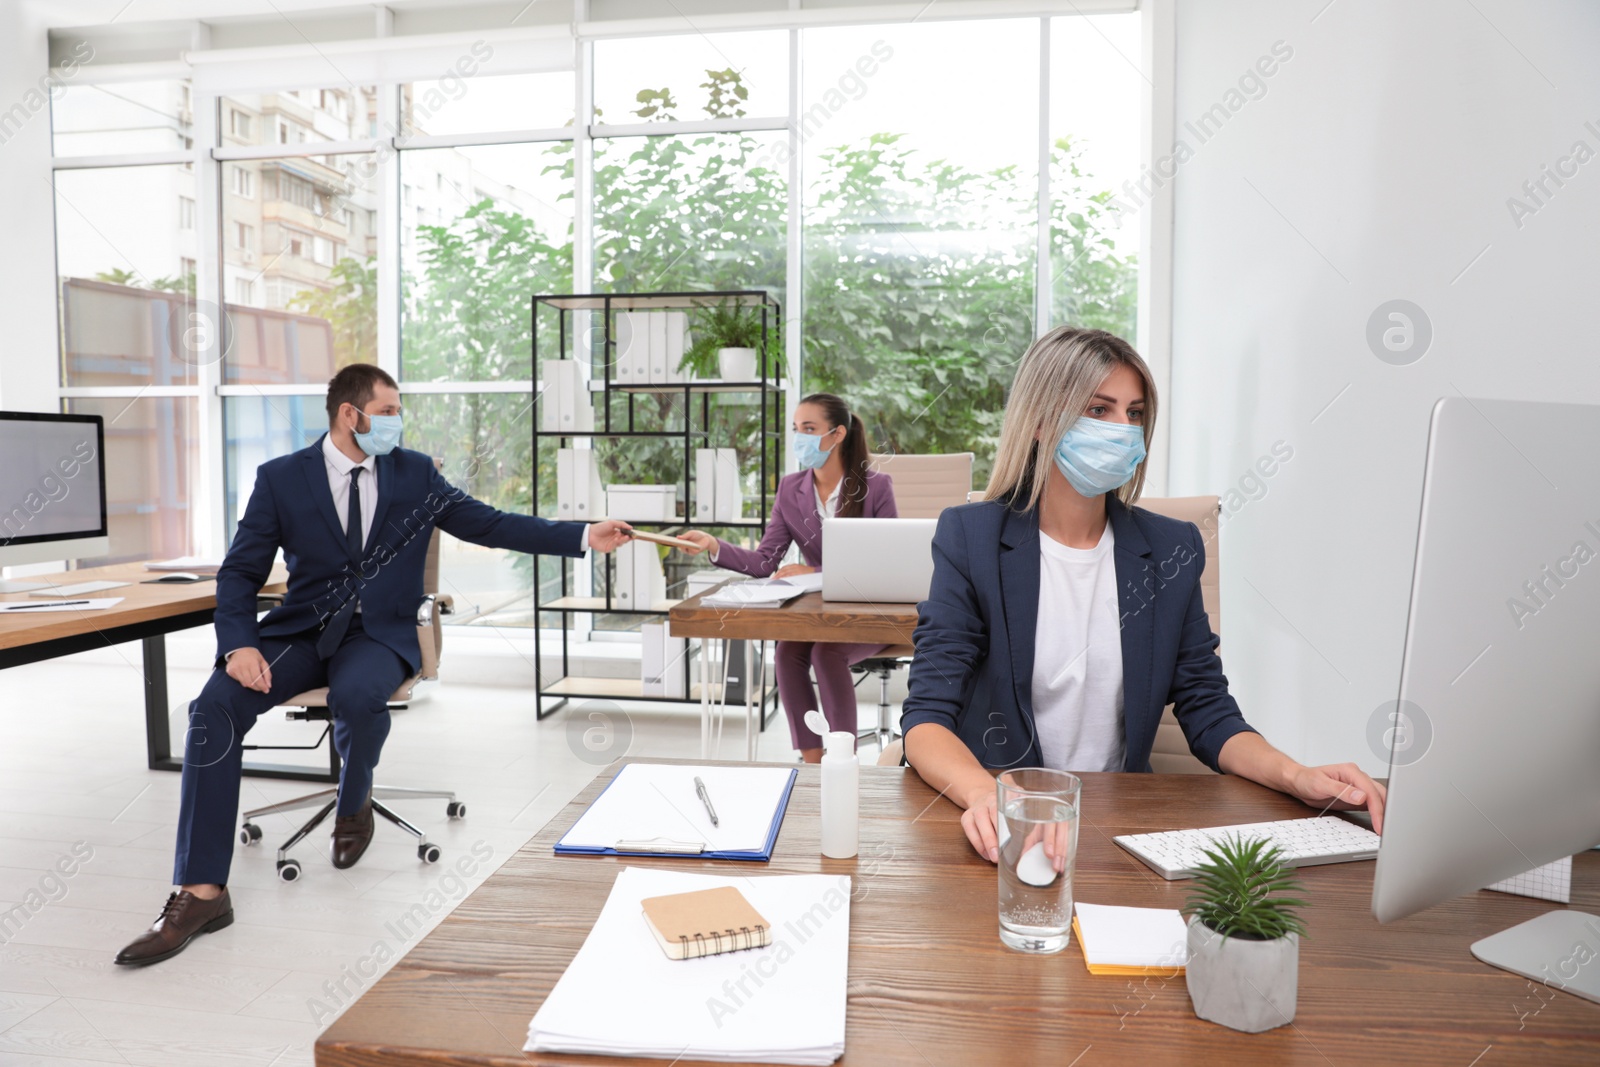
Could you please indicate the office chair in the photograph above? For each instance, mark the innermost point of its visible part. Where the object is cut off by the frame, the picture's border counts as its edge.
(312, 706)
(923, 487)
(1171, 754)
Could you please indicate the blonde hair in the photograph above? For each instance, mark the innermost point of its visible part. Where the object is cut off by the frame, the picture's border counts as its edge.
(1054, 384)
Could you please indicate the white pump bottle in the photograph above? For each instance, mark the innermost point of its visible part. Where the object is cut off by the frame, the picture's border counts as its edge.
(841, 789)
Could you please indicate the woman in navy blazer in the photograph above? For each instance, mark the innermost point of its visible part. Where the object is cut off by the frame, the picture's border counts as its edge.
(1071, 463)
(831, 446)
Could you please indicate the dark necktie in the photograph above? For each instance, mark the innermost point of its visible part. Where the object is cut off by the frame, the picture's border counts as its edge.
(352, 516)
(333, 633)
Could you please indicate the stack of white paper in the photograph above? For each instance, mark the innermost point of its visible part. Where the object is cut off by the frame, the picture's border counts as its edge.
(579, 495)
(622, 996)
(762, 592)
(1117, 938)
(567, 408)
(193, 564)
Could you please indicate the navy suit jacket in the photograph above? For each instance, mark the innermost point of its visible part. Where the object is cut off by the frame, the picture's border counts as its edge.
(973, 670)
(292, 508)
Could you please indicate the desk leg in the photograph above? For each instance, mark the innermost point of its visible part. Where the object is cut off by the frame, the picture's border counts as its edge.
(157, 737)
(750, 681)
(706, 644)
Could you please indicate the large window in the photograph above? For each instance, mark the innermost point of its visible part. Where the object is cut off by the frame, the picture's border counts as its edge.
(410, 224)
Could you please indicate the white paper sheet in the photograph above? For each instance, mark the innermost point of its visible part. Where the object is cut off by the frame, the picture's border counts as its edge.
(785, 1003)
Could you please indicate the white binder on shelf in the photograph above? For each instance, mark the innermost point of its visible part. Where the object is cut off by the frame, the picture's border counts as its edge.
(622, 567)
(728, 493)
(658, 348)
(677, 344)
(579, 495)
(567, 406)
(705, 483)
(629, 335)
(649, 585)
(661, 661)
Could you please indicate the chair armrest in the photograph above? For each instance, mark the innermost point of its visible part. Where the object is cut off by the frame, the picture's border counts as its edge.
(272, 600)
(430, 631)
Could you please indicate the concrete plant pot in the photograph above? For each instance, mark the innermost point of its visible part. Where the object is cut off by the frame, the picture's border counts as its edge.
(1244, 985)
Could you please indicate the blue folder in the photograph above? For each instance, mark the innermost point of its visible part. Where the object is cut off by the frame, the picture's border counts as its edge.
(664, 847)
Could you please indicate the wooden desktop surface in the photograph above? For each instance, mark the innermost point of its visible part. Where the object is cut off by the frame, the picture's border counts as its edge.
(930, 983)
(141, 603)
(806, 618)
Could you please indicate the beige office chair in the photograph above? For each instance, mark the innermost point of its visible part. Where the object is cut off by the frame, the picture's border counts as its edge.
(1171, 754)
(312, 706)
(923, 487)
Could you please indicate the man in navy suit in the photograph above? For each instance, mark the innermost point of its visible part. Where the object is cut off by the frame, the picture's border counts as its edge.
(353, 515)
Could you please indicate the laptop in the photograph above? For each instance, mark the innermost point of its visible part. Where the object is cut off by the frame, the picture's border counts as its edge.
(880, 561)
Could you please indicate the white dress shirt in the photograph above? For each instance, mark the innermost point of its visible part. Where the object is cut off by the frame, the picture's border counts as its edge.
(1077, 657)
(339, 467)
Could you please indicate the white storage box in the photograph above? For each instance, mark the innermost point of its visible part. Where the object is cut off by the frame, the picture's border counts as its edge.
(642, 503)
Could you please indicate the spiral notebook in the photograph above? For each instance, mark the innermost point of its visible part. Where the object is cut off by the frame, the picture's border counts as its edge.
(705, 923)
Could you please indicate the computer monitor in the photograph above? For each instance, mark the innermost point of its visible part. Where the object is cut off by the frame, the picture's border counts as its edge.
(1495, 750)
(52, 490)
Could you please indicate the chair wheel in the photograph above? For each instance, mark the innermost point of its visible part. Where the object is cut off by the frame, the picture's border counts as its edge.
(249, 833)
(428, 853)
(456, 810)
(288, 870)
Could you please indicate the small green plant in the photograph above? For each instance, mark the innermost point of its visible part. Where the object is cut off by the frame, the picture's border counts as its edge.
(1233, 891)
(720, 326)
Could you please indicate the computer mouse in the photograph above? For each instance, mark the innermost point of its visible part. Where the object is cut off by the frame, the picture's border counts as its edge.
(179, 576)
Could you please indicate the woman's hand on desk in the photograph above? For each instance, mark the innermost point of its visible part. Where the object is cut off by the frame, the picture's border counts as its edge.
(705, 541)
(792, 569)
(980, 824)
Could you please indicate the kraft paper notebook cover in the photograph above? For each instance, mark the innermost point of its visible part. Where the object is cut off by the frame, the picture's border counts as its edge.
(705, 923)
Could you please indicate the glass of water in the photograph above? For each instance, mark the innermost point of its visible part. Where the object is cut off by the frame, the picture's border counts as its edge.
(1037, 820)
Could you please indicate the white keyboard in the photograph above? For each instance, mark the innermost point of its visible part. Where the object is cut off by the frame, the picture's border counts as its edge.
(1304, 843)
(81, 588)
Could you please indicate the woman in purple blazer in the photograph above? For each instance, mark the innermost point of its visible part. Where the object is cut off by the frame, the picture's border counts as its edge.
(831, 447)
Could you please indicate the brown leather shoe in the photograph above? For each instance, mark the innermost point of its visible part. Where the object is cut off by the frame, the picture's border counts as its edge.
(351, 836)
(184, 918)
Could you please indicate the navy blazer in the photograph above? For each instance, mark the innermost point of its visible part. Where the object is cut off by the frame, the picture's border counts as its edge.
(973, 670)
(292, 508)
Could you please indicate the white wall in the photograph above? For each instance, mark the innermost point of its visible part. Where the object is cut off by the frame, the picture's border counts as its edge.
(1376, 166)
(28, 359)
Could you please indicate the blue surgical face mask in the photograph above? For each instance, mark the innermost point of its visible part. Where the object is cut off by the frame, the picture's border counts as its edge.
(1096, 456)
(808, 450)
(383, 437)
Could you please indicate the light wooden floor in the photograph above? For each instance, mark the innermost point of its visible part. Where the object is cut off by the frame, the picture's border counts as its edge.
(72, 774)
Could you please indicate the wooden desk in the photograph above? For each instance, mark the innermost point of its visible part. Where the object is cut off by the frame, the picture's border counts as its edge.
(806, 618)
(930, 982)
(147, 614)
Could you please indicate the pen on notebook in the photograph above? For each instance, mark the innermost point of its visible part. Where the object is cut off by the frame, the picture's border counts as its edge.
(705, 798)
(46, 604)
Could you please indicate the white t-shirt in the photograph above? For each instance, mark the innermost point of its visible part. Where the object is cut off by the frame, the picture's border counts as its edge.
(1077, 658)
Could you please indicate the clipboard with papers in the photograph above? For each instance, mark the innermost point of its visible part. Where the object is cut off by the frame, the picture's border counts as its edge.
(653, 809)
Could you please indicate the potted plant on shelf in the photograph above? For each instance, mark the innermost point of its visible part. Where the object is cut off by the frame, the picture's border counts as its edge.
(727, 340)
(1244, 937)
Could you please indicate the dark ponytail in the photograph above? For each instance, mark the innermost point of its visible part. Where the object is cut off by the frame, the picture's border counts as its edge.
(853, 491)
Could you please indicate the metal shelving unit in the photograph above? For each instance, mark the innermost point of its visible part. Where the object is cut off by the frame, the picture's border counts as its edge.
(769, 391)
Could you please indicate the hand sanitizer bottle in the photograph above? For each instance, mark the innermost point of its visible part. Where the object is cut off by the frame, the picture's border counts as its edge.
(841, 790)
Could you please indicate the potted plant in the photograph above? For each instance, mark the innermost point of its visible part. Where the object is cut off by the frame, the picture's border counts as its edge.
(726, 344)
(1244, 937)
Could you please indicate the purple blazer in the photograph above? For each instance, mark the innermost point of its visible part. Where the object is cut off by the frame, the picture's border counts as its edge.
(795, 521)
